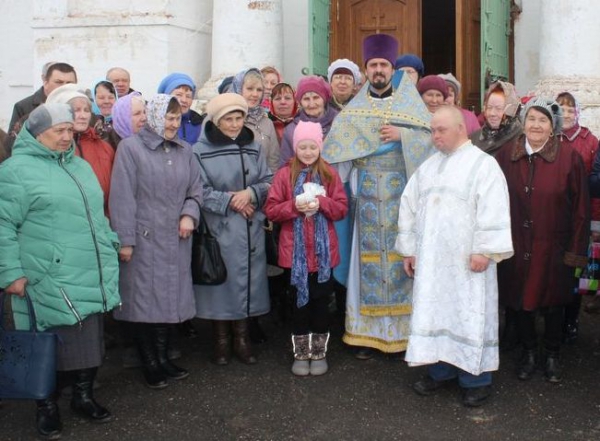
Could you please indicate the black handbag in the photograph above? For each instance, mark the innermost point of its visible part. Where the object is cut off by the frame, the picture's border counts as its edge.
(27, 360)
(208, 266)
(272, 231)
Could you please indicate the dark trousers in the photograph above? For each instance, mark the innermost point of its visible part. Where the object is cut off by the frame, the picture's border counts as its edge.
(553, 321)
(314, 316)
(572, 310)
(443, 372)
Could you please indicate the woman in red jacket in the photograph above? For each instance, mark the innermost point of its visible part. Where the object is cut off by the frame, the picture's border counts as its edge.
(550, 222)
(586, 144)
(88, 144)
(307, 196)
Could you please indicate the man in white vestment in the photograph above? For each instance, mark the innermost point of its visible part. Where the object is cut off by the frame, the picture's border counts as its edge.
(453, 228)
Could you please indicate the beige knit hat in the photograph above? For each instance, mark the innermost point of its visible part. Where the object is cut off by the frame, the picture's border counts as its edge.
(222, 104)
(66, 93)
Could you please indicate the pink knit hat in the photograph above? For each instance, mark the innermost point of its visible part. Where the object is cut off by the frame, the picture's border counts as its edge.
(313, 83)
(306, 130)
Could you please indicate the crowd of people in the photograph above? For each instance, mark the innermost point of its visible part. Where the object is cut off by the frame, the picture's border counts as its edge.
(429, 224)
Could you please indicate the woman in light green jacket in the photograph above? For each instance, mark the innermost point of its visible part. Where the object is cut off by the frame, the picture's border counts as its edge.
(57, 247)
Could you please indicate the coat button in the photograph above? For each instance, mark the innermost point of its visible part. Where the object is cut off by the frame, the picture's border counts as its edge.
(249, 223)
(253, 249)
(527, 223)
(526, 256)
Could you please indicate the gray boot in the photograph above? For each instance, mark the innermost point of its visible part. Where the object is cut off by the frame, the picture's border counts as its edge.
(318, 364)
(301, 364)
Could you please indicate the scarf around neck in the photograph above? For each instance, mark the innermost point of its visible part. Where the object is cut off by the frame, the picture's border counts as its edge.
(299, 277)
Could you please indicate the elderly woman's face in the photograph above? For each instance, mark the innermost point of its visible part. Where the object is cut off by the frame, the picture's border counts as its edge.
(538, 127)
(82, 113)
(172, 124)
(138, 115)
(185, 96)
(342, 86)
(283, 103)
(494, 110)
(412, 74)
(252, 91)
(105, 100)
(451, 100)
(271, 81)
(313, 104)
(433, 99)
(231, 124)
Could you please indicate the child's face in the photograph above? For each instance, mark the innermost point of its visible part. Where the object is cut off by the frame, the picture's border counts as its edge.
(307, 152)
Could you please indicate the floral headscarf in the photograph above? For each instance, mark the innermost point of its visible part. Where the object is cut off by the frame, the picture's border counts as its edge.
(156, 110)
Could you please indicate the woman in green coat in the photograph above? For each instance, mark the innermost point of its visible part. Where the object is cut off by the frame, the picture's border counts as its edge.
(57, 247)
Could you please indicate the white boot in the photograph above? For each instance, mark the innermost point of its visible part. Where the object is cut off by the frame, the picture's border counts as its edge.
(318, 363)
(301, 366)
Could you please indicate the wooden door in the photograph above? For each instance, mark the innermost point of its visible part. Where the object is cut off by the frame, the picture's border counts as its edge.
(353, 20)
(468, 54)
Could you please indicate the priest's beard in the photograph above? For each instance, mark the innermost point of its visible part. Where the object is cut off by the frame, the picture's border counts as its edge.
(380, 83)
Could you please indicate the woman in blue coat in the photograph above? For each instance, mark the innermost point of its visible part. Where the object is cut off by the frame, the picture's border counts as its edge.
(235, 179)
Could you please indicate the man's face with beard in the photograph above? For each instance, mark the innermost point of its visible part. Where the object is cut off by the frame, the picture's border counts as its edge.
(379, 73)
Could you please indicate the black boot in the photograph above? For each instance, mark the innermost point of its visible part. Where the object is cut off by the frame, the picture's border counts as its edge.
(187, 329)
(257, 335)
(570, 331)
(161, 340)
(510, 335)
(340, 298)
(47, 419)
(222, 343)
(552, 370)
(527, 365)
(155, 377)
(241, 342)
(82, 400)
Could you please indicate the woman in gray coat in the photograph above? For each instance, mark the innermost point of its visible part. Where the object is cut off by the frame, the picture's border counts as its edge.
(154, 210)
(235, 179)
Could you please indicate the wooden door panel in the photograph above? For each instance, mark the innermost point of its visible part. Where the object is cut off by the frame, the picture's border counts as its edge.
(468, 54)
(352, 21)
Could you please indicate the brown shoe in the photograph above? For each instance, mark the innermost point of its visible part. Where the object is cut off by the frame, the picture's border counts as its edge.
(241, 342)
(222, 337)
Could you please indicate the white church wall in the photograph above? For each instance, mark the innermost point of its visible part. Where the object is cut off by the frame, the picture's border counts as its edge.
(295, 37)
(527, 46)
(150, 38)
(18, 75)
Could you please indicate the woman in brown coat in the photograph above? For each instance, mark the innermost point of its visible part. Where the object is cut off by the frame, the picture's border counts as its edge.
(550, 217)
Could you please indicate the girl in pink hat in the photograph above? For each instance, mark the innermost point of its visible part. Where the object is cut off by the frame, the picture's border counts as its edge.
(306, 197)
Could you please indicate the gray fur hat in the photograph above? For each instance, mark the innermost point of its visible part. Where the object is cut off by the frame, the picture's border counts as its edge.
(549, 107)
(48, 115)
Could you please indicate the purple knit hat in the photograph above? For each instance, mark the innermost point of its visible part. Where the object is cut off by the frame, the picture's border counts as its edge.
(432, 82)
(316, 84)
(380, 46)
